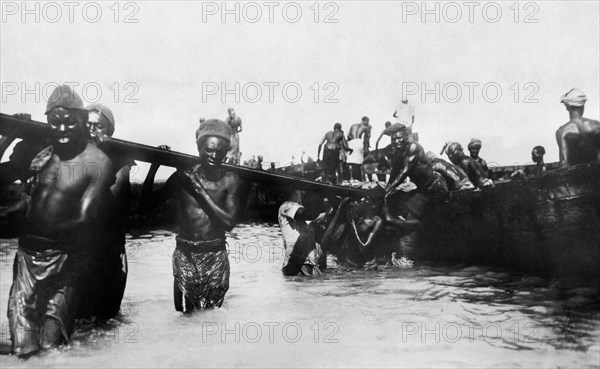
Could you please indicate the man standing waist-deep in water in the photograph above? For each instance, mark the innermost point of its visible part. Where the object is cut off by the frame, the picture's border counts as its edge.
(207, 201)
(71, 199)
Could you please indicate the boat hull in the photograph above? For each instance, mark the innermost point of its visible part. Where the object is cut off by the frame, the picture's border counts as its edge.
(549, 223)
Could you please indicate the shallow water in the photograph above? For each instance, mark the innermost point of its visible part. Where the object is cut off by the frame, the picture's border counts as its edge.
(429, 316)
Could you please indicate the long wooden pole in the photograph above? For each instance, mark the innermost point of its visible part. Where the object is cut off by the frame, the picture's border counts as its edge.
(11, 126)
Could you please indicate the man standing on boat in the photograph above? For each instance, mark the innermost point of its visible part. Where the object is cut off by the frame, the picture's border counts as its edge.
(405, 114)
(71, 199)
(358, 140)
(334, 142)
(207, 199)
(474, 147)
(235, 123)
(579, 139)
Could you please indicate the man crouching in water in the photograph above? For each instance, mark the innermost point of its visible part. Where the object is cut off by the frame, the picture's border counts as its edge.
(72, 198)
(207, 201)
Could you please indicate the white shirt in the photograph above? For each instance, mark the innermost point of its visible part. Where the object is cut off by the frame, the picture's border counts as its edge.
(289, 227)
(405, 113)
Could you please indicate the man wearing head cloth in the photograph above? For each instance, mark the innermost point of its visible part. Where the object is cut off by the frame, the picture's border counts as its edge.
(207, 198)
(474, 147)
(107, 276)
(579, 139)
(473, 170)
(455, 177)
(409, 161)
(70, 199)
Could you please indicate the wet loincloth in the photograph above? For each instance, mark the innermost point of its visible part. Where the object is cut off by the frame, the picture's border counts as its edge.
(357, 154)
(201, 271)
(105, 278)
(45, 285)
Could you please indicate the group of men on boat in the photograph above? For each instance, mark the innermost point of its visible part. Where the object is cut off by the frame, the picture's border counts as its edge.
(71, 263)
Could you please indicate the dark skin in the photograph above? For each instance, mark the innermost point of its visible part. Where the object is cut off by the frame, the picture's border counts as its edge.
(207, 202)
(98, 125)
(579, 139)
(385, 132)
(74, 185)
(409, 161)
(359, 130)
(234, 122)
(474, 151)
(334, 140)
(455, 177)
(471, 168)
(538, 158)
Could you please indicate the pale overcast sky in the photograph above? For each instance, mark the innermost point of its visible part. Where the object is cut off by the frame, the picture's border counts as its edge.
(357, 55)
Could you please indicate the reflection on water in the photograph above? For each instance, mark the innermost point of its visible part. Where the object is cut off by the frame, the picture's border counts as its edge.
(429, 316)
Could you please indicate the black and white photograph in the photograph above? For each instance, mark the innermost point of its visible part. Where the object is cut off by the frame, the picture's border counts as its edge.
(300, 184)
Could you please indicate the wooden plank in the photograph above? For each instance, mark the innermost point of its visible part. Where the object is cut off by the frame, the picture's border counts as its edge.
(12, 126)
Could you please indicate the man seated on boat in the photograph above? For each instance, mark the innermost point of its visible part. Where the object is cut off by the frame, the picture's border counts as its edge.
(108, 263)
(475, 173)
(537, 156)
(474, 147)
(334, 142)
(579, 139)
(301, 241)
(207, 199)
(455, 177)
(70, 200)
(409, 161)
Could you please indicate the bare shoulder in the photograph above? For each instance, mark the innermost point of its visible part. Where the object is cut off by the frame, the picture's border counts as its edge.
(231, 179)
(93, 154)
(567, 127)
(590, 122)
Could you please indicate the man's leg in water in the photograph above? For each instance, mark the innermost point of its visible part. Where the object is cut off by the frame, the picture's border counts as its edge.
(405, 225)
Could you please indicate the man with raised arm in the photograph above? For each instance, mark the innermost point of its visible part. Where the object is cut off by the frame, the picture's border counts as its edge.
(207, 200)
(334, 141)
(70, 200)
(386, 132)
(578, 139)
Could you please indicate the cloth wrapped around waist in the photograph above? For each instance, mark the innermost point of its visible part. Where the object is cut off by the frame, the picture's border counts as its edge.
(201, 271)
(357, 154)
(201, 246)
(38, 243)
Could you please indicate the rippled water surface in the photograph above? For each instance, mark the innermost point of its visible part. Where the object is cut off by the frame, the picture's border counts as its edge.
(429, 316)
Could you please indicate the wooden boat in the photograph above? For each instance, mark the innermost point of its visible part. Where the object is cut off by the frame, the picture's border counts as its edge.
(549, 223)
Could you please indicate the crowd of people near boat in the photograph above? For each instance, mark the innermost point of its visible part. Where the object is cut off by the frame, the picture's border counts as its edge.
(71, 262)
